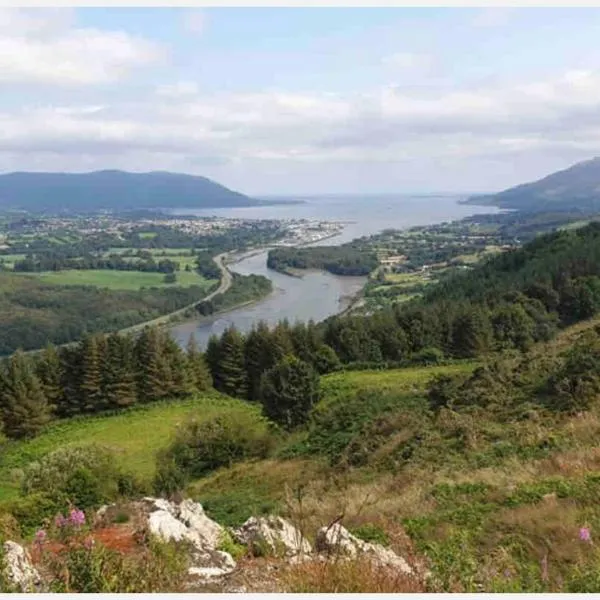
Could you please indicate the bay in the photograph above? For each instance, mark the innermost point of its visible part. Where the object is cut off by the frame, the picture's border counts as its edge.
(318, 295)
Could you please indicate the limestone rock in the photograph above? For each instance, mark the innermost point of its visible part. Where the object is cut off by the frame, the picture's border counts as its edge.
(337, 540)
(273, 534)
(19, 568)
(187, 521)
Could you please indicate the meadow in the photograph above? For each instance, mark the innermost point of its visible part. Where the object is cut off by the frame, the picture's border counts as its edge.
(121, 280)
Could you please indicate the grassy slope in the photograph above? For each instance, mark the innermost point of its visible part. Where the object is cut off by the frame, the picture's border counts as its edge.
(135, 434)
(139, 432)
(120, 280)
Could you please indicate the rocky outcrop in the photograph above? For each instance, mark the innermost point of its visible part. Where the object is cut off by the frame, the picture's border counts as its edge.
(273, 536)
(19, 569)
(338, 541)
(188, 522)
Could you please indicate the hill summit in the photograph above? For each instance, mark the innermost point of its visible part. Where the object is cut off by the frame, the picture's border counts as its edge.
(574, 189)
(113, 189)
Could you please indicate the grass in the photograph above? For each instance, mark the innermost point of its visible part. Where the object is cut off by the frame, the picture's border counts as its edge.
(120, 280)
(153, 426)
(402, 381)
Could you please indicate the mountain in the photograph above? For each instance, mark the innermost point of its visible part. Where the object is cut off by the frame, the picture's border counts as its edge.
(574, 189)
(109, 190)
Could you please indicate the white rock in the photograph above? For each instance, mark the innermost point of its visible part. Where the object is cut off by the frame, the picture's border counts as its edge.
(338, 540)
(277, 534)
(193, 515)
(19, 568)
(187, 521)
(164, 525)
(208, 572)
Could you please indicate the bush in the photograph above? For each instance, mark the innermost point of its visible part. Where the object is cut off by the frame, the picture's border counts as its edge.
(33, 510)
(371, 533)
(85, 475)
(203, 446)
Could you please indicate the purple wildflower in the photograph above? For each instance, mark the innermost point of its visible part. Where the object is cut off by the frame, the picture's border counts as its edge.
(77, 517)
(585, 534)
(60, 521)
(40, 537)
(507, 573)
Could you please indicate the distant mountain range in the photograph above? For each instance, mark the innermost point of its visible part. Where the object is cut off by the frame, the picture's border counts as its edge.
(574, 189)
(114, 190)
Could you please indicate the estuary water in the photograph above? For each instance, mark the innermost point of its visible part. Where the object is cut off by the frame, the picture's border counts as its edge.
(318, 295)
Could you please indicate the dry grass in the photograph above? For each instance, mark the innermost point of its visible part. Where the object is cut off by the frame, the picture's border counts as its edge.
(359, 576)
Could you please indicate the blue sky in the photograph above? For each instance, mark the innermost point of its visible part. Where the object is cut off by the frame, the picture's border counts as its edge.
(303, 101)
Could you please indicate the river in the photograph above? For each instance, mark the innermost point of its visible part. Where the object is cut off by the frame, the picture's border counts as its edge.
(318, 295)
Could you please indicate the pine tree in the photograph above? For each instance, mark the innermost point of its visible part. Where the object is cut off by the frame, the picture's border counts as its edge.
(90, 384)
(71, 376)
(25, 410)
(199, 371)
(212, 357)
(181, 382)
(231, 368)
(50, 372)
(154, 377)
(119, 381)
(259, 356)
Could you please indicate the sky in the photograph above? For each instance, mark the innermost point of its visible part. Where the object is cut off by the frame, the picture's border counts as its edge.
(301, 101)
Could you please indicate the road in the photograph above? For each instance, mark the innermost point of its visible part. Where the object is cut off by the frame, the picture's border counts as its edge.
(225, 284)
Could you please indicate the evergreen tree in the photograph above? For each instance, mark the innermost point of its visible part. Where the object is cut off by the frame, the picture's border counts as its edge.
(181, 382)
(258, 356)
(119, 376)
(288, 392)
(212, 357)
(200, 374)
(90, 384)
(154, 377)
(50, 372)
(25, 409)
(231, 368)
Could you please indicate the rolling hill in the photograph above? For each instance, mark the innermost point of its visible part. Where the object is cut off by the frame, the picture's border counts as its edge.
(111, 189)
(574, 189)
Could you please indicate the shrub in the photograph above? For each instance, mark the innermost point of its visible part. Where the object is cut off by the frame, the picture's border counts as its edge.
(33, 510)
(203, 446)
(288, 392)
(227, 544)
(86, 475)
(370, 532)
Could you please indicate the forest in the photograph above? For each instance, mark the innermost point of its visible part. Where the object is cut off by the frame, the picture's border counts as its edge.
(339, 260)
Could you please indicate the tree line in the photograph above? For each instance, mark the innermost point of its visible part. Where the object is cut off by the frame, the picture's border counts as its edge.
(54, 262)
(100, 373)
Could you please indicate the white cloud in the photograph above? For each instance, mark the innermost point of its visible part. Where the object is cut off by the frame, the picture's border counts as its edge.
(180, 128)
(409, 61)
(178, 90)
(34, 49)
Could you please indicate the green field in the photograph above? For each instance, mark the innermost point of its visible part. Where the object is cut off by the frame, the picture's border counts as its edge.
(135, 435)
(120, 280)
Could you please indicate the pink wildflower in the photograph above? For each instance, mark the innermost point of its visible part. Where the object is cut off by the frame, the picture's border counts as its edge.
(77, 517)
(585, 534)
(40, 537)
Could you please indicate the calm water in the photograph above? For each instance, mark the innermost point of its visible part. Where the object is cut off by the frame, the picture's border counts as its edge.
(319, 295)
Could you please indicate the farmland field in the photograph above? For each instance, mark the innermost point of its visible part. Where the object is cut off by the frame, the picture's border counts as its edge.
(121, 280)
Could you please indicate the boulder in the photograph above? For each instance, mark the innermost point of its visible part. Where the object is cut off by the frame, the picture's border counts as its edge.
(187, 521)
(272, 535)
(19, 569)
(337, 540)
